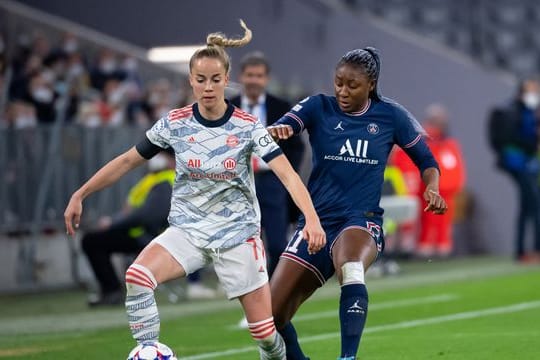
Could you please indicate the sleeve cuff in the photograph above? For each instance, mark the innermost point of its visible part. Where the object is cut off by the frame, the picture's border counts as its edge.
(269, 157)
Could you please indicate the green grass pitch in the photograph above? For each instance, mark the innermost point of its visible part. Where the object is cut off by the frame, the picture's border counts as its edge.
(482, 308)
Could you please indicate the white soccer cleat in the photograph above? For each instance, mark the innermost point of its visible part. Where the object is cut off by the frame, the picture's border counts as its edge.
(243, 323)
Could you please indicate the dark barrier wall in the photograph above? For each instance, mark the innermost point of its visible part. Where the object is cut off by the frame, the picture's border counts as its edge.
(303, 40)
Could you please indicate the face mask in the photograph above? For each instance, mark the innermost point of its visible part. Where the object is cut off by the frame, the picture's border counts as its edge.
(23, 121)
(116, 97)
(154, 99)
(76, 70)
(130, 65)
(92, 121)
(49, 76)
(108, 66)
(42, 94)
(71, 46)
(531, 100)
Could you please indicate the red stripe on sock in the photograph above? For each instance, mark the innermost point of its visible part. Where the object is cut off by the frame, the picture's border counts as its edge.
(261, 323)
(260, 329)
(141, 273)
(136, 282)
(140, 276)
(135, 278)
(264, 335)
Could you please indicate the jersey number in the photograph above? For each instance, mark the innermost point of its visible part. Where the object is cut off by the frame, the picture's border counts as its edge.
(295, 241)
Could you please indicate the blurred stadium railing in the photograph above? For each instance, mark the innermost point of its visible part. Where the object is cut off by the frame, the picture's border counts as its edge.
(81, 151)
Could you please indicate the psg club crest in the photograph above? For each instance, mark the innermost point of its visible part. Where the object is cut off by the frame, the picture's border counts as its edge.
(373, 129)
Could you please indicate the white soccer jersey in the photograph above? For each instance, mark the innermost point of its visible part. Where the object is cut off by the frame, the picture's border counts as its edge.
(213, 198)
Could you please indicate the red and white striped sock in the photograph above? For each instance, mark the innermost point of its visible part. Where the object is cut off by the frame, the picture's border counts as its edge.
(271, 345)
(141, 305)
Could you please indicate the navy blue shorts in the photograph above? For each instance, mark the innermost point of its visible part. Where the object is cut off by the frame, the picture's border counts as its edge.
(321, 263)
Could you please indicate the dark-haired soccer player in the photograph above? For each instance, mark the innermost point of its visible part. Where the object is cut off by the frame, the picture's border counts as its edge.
(351, 136)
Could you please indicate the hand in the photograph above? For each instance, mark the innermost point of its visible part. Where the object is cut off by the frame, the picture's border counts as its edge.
(435, 202)
(72, 215)
(280, 132)
(315, 236)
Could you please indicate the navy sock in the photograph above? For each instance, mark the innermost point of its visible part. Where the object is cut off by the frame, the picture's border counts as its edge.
(294, 352)
(353, 306)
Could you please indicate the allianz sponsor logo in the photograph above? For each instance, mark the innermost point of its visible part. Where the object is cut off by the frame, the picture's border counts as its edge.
(353, 152)
(223, 176)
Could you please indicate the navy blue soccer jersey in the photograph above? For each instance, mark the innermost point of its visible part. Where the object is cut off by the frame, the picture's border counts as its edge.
(350, 151)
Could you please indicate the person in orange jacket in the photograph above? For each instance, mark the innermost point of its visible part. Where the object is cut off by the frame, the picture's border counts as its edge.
(436, 231)
(408, 230)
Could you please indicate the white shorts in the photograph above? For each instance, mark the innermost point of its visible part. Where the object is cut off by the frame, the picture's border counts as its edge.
(240, 269)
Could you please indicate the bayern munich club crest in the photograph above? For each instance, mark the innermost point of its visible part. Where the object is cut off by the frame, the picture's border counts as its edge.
(229, 164)
(232, 141)
(373, 129)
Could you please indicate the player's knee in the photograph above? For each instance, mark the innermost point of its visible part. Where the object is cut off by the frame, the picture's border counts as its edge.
(280, 319)
(139, 279)
(352, 272)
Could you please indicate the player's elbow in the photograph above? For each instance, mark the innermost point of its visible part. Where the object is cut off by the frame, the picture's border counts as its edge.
(130, 159)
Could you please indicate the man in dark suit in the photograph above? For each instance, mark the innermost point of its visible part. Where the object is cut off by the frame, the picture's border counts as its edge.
(273, 198)
(513, 135)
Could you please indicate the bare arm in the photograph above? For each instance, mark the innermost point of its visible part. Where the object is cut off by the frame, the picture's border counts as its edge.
(313, 231)
(436, 203)
(107, 175)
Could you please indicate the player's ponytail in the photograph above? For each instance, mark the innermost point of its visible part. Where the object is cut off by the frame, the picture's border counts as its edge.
(368, 61)
(219, 39)
(215, 44)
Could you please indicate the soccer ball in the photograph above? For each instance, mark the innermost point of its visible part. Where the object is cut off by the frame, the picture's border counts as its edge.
(151, 351)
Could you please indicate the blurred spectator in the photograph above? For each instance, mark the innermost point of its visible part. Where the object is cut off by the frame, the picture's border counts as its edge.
(513, 134)
(41, 94)
(69, 43)
(436, 235)
(89, 113)
(106, 68)
(143, 218)
(21, 115)
(393, 187)
(272, 196)
(407, 231)
(3, 59)
(109, 92)
(21, 77)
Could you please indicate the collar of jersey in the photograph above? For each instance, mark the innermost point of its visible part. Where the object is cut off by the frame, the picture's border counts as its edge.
(361, 111)
(213, 123)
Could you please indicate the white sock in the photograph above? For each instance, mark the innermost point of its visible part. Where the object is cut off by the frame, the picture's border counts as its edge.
(271, 345)
(141, 305)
